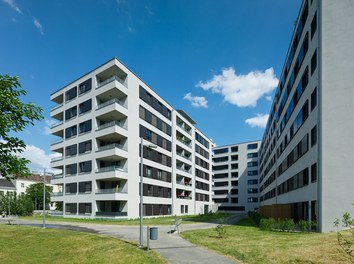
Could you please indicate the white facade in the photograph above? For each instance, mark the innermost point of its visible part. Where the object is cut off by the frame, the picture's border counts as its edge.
(305, 158)
(101, 117)
(235, 169)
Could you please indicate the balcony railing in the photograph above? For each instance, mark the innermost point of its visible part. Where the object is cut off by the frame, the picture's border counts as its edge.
(183, 142)
(56, 159)
(183, 156)
(184, 183)
(109, 80)
(60, 140)
(112, 168)
(111, 146)
(183, 169)
(113, 123)
(56, 124)
(111, 214)
(57, 194)
(185, 129)
(110, 190)
(56, 212)
(112, 101)
(57, 176)
(182, 196)
(56, 107)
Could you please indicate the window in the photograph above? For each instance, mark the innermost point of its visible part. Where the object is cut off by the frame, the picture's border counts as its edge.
(314, 62)
(71, 188)
(70, 132)
(252, 190)
(85, 146)
(252, 164)
(85, 208)
(85, 106)
(313, 136)
(85, 187)
(186, 209)
(182, 209)
(314, 99)
(252, 146)
(71, 94)
(252, 155)
(220, 151)
(148, 171)
(85, 166)
(85, 126)
(252, 173)
(252, 200)
(221, 167)
(70, 113)
(220, 159)
(234, 149)
(314, 172)
(252, 182)
(23, 185)
(71, 150)
(85, 86)
(234, 157)
(71, 169)
(234, 174)
(234, 191)
(314, 25)
(234, 166)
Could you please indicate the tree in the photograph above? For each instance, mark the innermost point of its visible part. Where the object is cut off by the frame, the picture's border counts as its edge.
(35, 193)
(15, 116)
(346, 238)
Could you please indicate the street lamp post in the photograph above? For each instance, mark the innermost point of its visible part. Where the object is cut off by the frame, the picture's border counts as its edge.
(141, 189)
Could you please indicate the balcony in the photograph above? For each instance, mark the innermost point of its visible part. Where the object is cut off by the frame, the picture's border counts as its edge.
(184, 156)
(111, 168)
(56, 107)
(111, 146)
(109, 80)
(113, 101)
(57, 194)
(111, 124)
(57, 176)
(110, 191)
(183, 196)
(57, 141)
(56, 159)
(185, 128)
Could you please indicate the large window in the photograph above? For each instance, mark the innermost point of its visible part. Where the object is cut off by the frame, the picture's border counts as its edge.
(71, 94)
(85, 86)
(71, 150)
(252, 146)
(70, 113)
(85, 166)
(71, 169)
(70, 132)
(220, 151)
(313, 136)
(85, 146)
(85, 127)
(314, 99)
(85, 106)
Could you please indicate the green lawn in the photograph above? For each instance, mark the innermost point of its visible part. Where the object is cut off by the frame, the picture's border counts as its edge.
(22, 244)
(247, 244)
(187, 219)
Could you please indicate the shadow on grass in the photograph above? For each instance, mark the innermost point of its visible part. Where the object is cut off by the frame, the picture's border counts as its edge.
(246, 221)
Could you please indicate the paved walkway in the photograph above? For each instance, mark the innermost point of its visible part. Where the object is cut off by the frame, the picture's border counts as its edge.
(170, 246)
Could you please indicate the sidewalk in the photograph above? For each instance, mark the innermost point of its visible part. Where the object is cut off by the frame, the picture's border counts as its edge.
(170, 246)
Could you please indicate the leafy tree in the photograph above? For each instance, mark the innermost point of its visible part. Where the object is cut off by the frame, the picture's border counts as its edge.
(35, 193)
(15, 116)
(19, 205)
(346, 238)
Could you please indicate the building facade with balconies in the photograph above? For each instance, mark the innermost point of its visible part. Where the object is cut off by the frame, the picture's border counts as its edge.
(306, 168)
(235, 176)
(101, 118)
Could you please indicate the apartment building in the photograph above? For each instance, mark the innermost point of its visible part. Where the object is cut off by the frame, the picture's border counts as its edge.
(102, 117)
(306, 167)
(236, 180)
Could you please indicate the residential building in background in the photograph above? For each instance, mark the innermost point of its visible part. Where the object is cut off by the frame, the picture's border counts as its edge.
(101, 118)
(306, 167)
(235, 169)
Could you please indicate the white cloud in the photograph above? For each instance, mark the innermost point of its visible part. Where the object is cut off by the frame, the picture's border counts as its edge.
(241, 90)
(13, 5)
(268, 98)
(48, 123)
(38, 25)
(260, 120)
(197, 101)
(39, 159)
(148, 9)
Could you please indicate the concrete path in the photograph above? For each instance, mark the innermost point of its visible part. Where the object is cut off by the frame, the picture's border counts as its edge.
(170, 246)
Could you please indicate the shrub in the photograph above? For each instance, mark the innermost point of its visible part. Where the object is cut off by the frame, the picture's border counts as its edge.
(256, 217)
(304, 225)
(346, 239)
(267, 224)
(289, 225)
(220, 228)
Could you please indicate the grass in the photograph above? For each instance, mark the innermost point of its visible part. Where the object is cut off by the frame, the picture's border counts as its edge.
(23, 244)
(245, 243)
(168, 220)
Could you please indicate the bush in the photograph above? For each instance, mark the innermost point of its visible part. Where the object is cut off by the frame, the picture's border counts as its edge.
(256, 217)
(220, 228)
(267, 224)
(346, 239)
(304, 225)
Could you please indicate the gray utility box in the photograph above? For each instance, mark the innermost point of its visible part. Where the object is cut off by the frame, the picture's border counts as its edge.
(153, 233)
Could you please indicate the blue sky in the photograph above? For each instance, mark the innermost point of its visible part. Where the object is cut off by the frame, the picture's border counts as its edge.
(217, 60)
